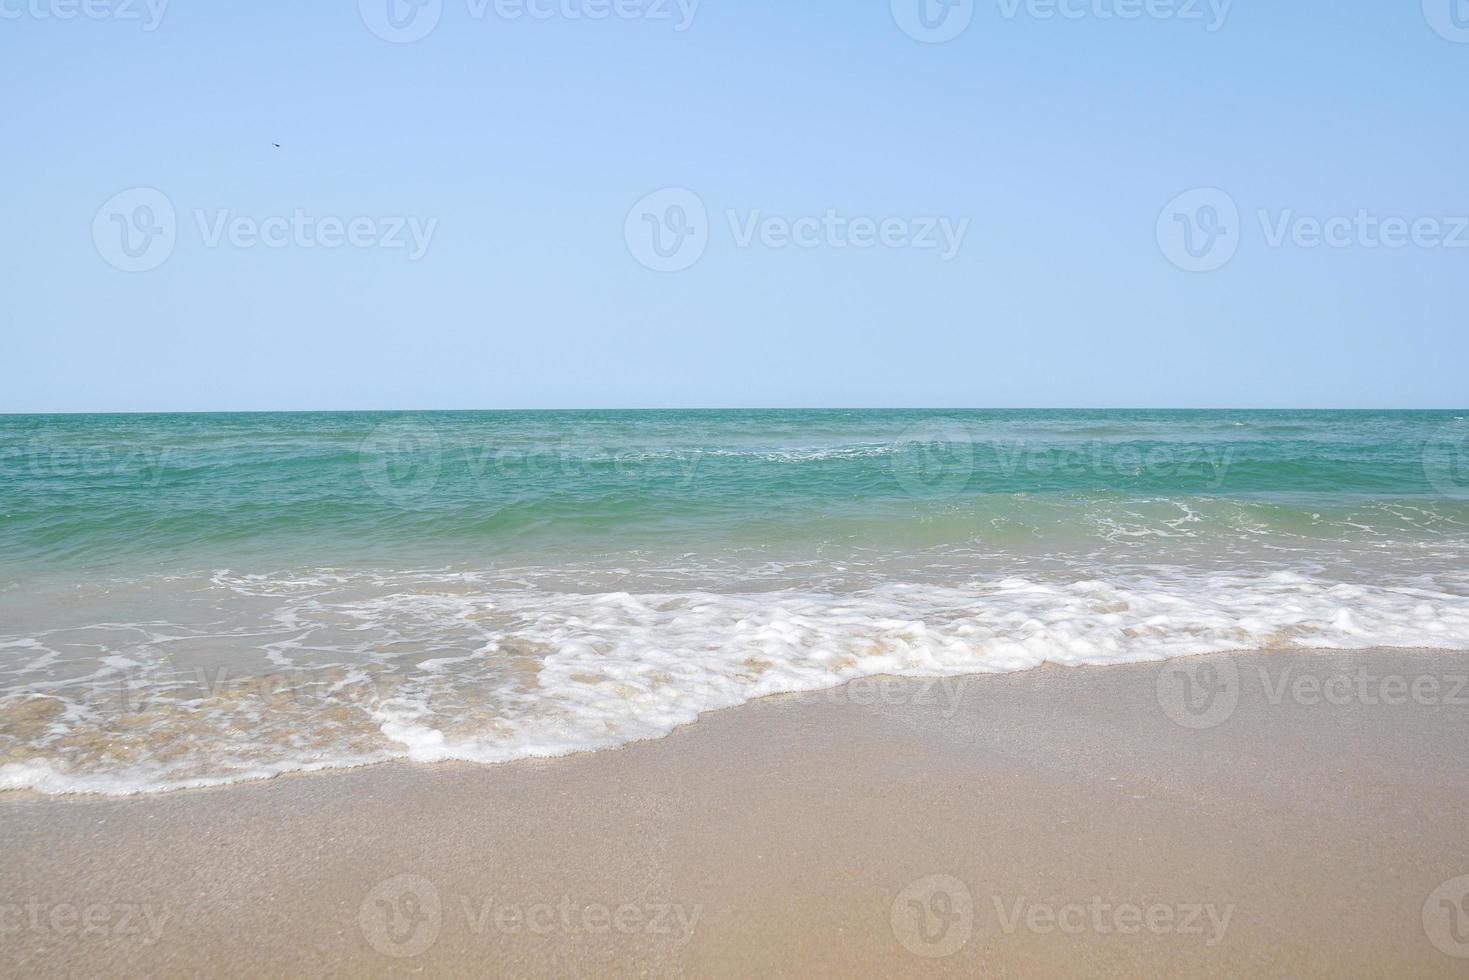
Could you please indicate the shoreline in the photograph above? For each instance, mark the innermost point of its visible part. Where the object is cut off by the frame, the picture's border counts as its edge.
(926, 682)
(1296, 815)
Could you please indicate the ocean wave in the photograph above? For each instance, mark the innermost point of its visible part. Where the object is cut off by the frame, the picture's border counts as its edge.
(79, 491)
(313, 670)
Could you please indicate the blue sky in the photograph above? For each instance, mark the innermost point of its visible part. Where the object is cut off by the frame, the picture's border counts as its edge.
(519, 148)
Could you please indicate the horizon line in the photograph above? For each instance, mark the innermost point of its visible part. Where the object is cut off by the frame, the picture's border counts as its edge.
(756, 408)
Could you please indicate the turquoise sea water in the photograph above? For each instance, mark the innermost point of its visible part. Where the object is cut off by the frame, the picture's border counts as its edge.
(188, 599)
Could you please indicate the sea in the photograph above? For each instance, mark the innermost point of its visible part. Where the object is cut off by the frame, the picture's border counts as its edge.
(198, 599)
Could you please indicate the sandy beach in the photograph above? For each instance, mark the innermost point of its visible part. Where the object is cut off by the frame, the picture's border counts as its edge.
(1299, 814)
(652, 488)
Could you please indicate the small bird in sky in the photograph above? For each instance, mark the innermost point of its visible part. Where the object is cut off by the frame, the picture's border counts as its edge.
(276, 145)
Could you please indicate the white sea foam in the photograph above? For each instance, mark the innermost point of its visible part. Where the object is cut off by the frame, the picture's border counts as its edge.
(336, 669)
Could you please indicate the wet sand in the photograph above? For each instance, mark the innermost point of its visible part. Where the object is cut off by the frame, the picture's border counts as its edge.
(1281, 813)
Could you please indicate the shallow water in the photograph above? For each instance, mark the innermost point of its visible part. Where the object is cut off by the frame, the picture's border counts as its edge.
(195, 599)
